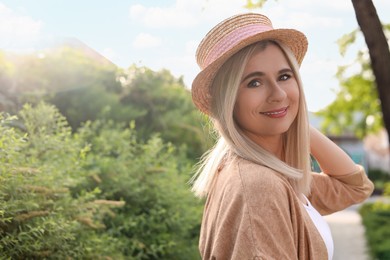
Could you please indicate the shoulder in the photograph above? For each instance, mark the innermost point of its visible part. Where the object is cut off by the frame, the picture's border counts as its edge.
(259, 183)
(259, 175)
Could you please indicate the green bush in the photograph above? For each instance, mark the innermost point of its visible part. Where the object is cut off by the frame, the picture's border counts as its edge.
(98, 193)
(39, 216)
(161, 217)
(376, 219)
(379, 178)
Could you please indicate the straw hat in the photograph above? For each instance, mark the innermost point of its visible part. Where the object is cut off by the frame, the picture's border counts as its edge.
(230, 36)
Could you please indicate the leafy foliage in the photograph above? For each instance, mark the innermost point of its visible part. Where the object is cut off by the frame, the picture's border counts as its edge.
(164, 106)
(7, 98)
(346, 40)
(98, 193)
(376, 219)
(357, 108)
(85, 87)
(380, 178)
(96, 187)
(73, 79)
(161, 218)
(39, 216)
(255, 4)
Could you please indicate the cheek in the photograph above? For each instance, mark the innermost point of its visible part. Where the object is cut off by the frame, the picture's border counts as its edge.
(249, 100)
(246, 107)
(238, 112)
(294, 97)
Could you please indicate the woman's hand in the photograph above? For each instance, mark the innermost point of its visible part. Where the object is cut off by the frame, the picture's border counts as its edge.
(330, 157)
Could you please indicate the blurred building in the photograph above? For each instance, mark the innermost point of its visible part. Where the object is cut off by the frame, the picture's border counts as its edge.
(377, 151)
(352, 145)
(372, 152)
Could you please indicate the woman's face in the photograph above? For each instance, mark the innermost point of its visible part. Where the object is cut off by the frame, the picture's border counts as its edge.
(268, 95)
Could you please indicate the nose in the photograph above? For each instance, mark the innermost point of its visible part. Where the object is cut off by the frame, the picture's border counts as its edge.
(276, 93)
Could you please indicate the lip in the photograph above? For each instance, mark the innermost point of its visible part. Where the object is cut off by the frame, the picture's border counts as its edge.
(277, 113)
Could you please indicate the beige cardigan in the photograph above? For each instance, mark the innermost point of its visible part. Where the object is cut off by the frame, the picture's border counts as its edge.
(253, 213)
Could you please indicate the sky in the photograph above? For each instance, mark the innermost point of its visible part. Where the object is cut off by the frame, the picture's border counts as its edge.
(165, 33)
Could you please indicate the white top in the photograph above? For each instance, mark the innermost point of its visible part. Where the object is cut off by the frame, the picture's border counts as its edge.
(322, 227)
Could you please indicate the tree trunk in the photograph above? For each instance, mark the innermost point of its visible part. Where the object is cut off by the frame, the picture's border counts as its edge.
(378, 48)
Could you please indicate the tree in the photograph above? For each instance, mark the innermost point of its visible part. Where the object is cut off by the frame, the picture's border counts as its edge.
(83, 86)
(378, 48)
(164, 106)
(7, 97)
(362, 103)
(356, 108)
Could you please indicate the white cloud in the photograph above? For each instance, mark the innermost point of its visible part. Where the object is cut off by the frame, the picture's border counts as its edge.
(136, 11)
(283, 16)
(313, 5)
(306, 20)
(17, 30)
(159, 17)
(180, 15)
(145, 40)
(185, 13)
(222, 8)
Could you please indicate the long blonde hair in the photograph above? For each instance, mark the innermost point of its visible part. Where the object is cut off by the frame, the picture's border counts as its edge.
(232, 142)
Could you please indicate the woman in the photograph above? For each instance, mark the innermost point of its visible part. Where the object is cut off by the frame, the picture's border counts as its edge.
(263, 201)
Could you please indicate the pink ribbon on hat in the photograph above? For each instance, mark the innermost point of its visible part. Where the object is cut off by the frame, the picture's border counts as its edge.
(232, 39)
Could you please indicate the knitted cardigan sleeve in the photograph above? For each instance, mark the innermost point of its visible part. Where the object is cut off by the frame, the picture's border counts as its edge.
(334, 193)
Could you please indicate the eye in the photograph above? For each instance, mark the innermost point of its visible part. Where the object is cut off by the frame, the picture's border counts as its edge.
(285, 77)
(254, 83)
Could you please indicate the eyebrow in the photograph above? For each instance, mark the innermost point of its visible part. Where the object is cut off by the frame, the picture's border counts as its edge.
(260, 73)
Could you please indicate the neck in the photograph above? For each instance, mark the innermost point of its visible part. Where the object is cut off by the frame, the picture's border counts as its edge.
(273, 144)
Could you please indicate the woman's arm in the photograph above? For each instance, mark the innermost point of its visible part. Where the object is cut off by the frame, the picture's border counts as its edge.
(344, 182)
(331, 158)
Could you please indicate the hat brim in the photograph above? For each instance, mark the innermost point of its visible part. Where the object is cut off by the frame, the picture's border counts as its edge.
(293, 39)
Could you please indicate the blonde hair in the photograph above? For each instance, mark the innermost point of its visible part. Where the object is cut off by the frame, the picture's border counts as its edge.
(232, 142)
